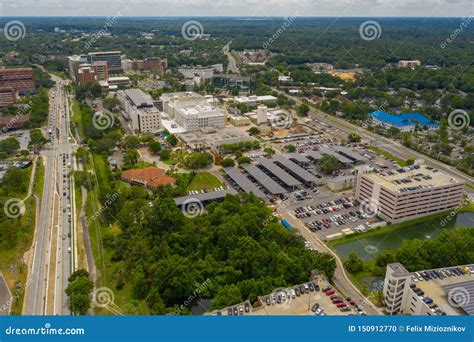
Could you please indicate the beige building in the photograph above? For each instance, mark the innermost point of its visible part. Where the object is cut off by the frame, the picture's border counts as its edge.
(409, 64)
(444, 291)
(139, 106)
(409, 193)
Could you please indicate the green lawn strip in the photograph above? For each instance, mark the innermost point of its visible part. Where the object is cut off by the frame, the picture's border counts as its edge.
(14, 256)
(107, 270)
(77, 117)
(204, 181)
(388, 156)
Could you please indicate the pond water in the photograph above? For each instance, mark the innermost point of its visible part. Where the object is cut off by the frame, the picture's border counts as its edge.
(369, 248)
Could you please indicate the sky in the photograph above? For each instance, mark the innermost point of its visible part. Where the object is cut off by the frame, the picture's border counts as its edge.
(247, 8)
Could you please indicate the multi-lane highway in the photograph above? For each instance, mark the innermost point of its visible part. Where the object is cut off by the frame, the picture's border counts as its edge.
(53, 244)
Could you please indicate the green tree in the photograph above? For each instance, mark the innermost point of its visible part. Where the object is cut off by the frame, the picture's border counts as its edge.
(243, 160)
(9, 146)
(165, 154)
(37, 138)
(303, 109)
(79, 291)
(254, 131)
(290, 148)
(154, 147)
(172, 140)
(131, 142)
(354, 137)
(354, 264)
(227, 162)
(329, 164)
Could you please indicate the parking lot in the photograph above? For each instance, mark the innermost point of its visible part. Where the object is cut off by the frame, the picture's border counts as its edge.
(327, 213)
(306, 299)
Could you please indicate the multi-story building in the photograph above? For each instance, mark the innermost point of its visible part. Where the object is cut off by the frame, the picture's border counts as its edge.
(113, 59)
(103, 62)
(155, 65)
(7, 96)
(409, 64)
(85, 74)
(101, 70)
(409, 193)
(231, 82)
(139, 106)
(73, 64)
(193, 111)
(21, 80)
(445, 291)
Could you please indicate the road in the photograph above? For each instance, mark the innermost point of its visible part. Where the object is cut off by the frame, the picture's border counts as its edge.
(391, 146)
(53, 243)
(340, 278)
(232, 66)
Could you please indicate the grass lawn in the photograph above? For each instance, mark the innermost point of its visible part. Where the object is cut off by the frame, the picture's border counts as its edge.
(204, 181)
(108, 272)
(388, 156)
(77, 117)
(12, 258)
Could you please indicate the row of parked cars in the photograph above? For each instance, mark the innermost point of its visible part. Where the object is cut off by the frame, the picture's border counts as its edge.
(344, 304)
(279, 297)
(237, 310)
(442, 273)
(427, 300)
(338, 220)
(323, 208)
(197, 192)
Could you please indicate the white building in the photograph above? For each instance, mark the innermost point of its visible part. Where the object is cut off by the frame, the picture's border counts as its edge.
(192, 111)
(262, 115)
(254, 100)
(429, 292)
(139, 107)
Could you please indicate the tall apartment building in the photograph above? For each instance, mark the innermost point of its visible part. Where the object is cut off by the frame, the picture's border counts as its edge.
(192, 111)
(139, 106)
(445, 291)
(410, 192)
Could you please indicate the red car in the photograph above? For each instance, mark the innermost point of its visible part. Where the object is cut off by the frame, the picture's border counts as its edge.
(334, 296)
(341, 305)
(329, 292)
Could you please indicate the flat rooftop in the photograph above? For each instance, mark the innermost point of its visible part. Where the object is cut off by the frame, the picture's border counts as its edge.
(278, 172)
(244, 183)
(340, 157)
(439, 289)
(412, 178)
(139, 98)
(273, 187)
(296, 169)
(205, 197)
